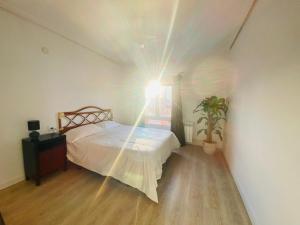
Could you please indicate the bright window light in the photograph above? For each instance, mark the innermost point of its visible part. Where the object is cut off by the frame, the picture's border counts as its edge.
(153, 89)
(159, 105)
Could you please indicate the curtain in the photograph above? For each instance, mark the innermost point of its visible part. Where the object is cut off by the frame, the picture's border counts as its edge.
(176, 118)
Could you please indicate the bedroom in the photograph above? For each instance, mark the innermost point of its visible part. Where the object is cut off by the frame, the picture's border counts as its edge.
(59, 56)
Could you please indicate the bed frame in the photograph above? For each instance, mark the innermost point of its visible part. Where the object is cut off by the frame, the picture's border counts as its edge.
(81, 117)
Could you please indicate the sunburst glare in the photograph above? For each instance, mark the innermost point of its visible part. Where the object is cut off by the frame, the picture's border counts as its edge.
(153, 89)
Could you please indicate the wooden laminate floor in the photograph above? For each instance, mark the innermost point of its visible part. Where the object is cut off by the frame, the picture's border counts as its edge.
(196, 189)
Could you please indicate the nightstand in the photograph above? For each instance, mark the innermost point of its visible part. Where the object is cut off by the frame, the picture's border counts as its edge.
(44, 156)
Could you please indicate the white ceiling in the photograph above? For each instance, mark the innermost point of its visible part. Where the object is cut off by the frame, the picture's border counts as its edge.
(137, 31)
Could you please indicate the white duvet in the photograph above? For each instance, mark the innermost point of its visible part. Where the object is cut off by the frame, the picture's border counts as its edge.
(140, 162)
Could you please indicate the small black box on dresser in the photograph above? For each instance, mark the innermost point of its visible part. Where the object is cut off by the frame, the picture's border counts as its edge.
(44, 155)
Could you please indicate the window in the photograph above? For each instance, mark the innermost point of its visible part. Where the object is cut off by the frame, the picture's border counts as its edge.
(159, 108)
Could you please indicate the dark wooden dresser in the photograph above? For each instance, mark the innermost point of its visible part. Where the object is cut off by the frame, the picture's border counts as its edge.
(44, 156)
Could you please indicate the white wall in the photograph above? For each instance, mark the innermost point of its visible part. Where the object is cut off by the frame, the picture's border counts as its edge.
(34, 85)
(263, 142)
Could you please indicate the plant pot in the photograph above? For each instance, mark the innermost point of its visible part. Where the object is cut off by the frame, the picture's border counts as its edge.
(209, 148)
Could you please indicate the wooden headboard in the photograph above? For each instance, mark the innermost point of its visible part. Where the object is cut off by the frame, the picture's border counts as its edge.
(84, 116)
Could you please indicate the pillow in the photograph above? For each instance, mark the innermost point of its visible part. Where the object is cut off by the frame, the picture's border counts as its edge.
(81, 132)
(108, 124)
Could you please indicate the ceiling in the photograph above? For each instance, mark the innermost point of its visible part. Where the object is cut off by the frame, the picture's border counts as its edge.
(141, 32)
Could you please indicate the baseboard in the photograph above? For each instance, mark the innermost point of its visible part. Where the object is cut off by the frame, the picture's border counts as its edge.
(10, 182)
(240, 188)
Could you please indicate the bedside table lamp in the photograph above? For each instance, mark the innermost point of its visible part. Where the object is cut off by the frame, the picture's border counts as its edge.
(34, 125)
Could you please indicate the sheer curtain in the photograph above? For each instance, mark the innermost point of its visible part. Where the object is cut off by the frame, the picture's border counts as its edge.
(176, 118)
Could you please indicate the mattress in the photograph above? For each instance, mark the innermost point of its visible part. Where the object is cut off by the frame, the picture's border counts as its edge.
(131, 155)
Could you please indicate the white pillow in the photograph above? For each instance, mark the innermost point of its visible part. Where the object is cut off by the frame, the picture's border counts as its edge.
(108, 124)
(81, 132)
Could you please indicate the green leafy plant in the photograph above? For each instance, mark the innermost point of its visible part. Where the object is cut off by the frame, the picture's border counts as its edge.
(212, 111)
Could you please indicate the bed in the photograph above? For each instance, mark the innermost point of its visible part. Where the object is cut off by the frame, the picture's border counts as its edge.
(132, 155)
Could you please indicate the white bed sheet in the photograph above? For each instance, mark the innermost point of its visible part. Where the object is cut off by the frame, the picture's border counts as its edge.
(139, 165)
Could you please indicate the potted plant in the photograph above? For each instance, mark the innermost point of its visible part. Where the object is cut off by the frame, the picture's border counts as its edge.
(212, 111)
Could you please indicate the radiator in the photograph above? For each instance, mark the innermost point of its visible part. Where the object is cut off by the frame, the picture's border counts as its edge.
(188, 131)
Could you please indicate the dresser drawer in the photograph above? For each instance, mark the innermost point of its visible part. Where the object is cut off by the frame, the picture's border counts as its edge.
(52, 159)
(47, 145)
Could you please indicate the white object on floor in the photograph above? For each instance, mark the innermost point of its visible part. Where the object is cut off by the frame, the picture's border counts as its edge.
(139, 165)
(188, 131)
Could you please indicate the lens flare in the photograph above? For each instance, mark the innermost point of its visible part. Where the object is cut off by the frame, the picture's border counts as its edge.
(153, 89)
